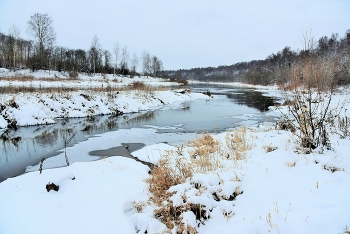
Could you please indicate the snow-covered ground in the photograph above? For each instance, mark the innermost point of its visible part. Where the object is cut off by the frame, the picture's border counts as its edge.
(284, 191)
(23, 109)
(44, 78)
(235, 84)
(257, 180)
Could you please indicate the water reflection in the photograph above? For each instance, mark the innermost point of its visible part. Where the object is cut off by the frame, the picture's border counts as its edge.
(28, 145)
(243, 96)
(147, 117)
(47, 138)
(252, 99)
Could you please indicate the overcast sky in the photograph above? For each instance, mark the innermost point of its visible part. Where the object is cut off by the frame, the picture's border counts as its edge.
(185, 33)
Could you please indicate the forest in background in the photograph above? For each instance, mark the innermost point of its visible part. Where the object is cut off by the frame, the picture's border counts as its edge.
(42, 53)
(329, 54)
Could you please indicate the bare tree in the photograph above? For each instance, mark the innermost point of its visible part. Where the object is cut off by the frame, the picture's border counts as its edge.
(14, 34)
(95, 52)
(146, 63)
(124, 61)
(41, 28)
(107, 59)
(156, 66)
(134, 64)
(116, 54)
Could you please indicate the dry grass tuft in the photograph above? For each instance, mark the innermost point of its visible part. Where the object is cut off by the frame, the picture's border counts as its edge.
(203, 155)
(291, 164)
(162, 88)
(172, 215)
(139, 85)
(236, 142)
(184, 228)
(204, 145)
(169, 171)
(32, 78)
(269, 149)
(332, 168)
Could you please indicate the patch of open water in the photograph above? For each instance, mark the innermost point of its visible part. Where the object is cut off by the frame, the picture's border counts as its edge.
(230, 107)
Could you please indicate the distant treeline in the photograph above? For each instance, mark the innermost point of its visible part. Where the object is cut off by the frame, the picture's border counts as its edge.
(222, 73)
(42, 53)
(330, 54)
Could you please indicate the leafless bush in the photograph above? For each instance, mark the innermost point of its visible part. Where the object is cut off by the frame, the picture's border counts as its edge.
(311, 115)
(73, 75)
(343, 127)
(309, 94)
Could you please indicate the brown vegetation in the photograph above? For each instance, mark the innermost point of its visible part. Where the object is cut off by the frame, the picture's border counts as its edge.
(206, 155)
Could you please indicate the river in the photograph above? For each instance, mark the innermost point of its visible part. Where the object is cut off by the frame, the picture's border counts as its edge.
(230, 107)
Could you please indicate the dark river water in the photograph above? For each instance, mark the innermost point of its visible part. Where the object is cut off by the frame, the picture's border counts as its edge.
(229, 107)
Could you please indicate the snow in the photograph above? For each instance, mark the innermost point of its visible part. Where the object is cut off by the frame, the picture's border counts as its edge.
(44, 78)
(36, 108)
(153, 153)
(278, 197)
(277, 187)
(3, 122)
(94, 202)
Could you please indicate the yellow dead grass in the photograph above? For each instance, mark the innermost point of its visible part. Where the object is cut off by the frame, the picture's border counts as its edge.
(206, 154)
(236, 143)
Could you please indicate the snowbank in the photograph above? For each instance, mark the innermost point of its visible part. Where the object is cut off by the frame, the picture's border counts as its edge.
(44, 78)
(92, 198)
(25, 109)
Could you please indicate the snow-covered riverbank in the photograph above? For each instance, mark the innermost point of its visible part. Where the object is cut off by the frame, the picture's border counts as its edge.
(23, 109)
(42, 108)
(44, 78)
